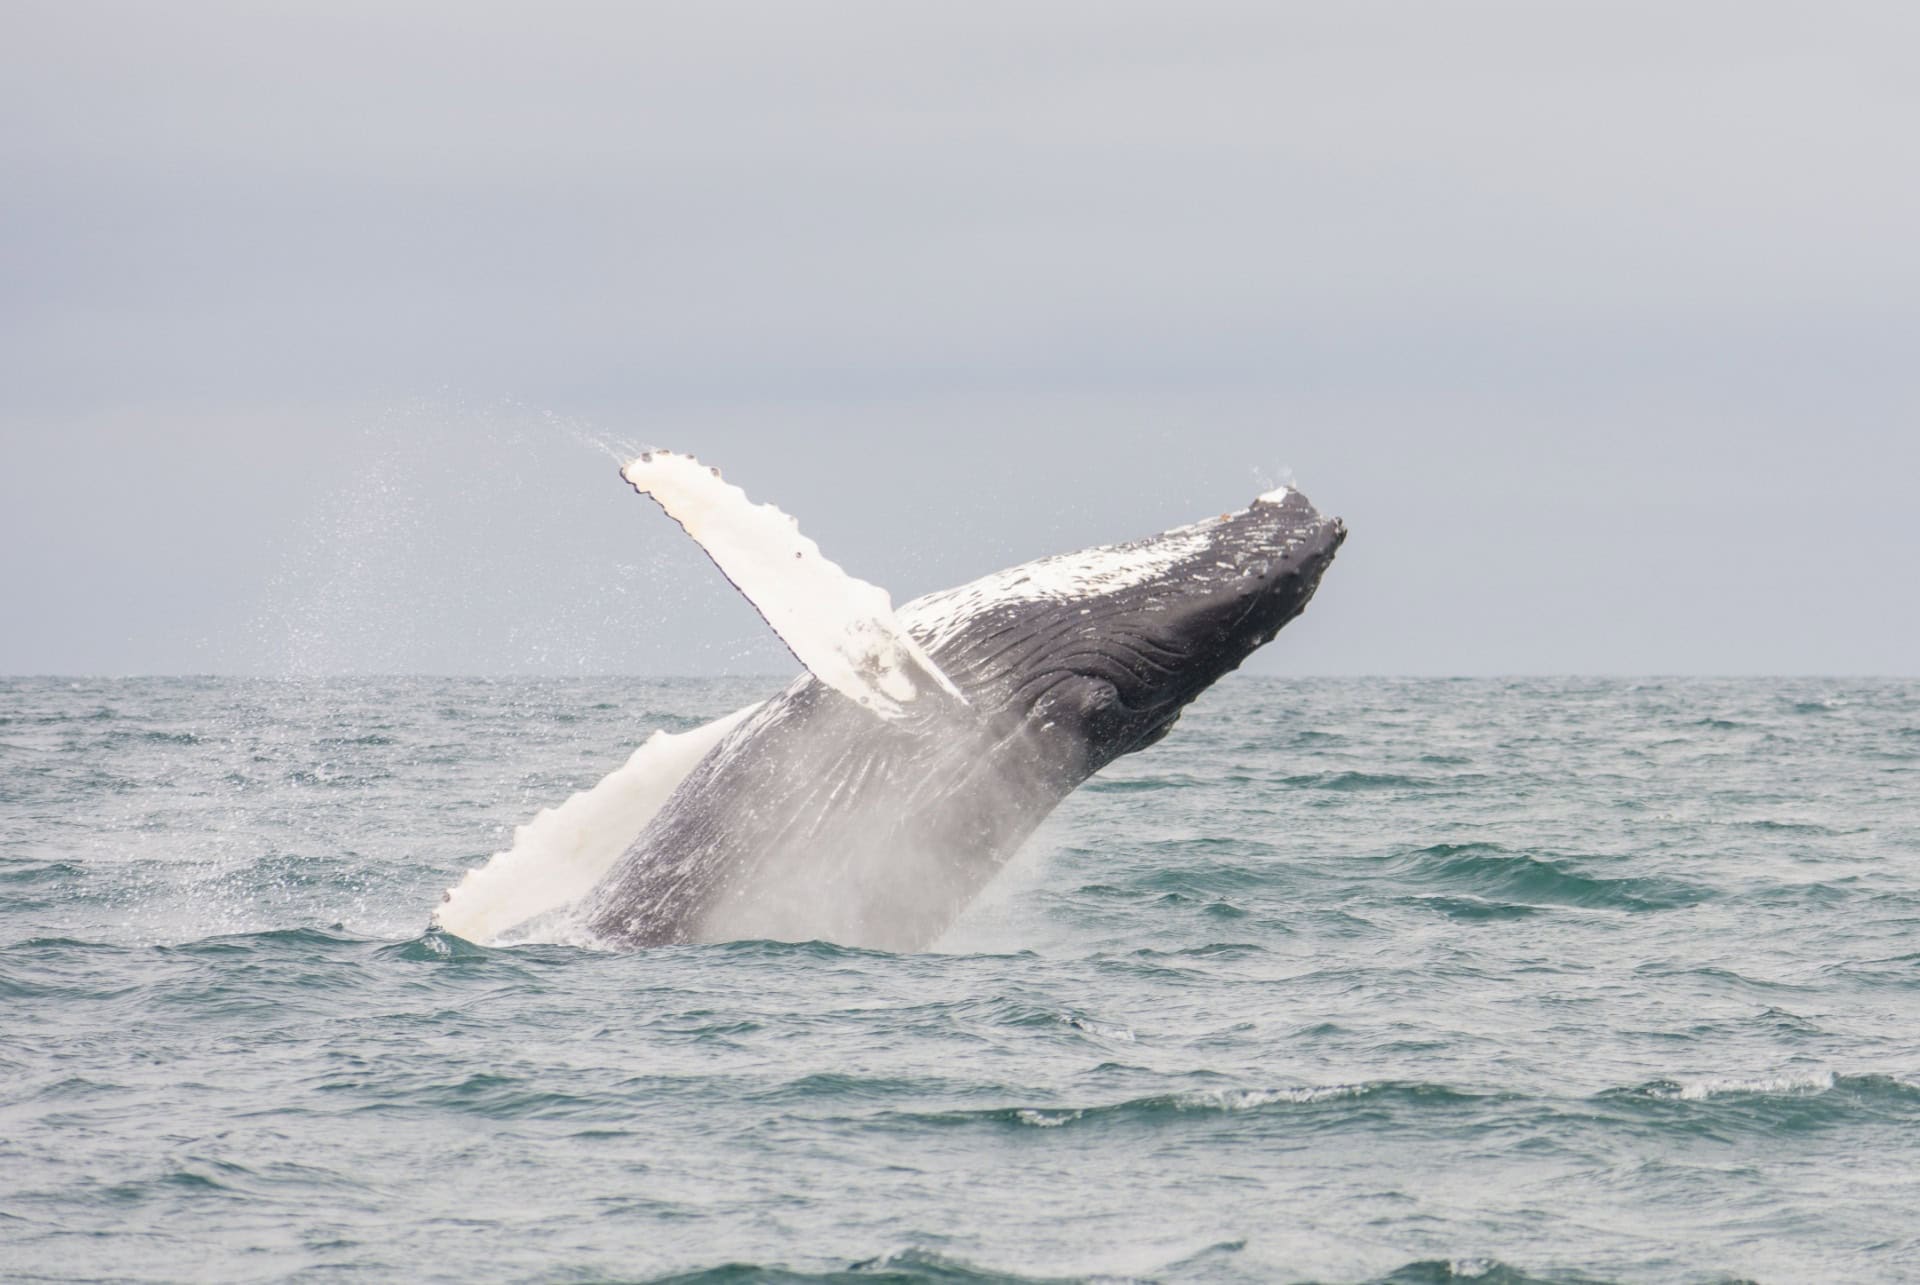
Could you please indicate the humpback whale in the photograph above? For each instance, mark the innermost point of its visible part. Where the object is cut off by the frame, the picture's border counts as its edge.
(869, 801)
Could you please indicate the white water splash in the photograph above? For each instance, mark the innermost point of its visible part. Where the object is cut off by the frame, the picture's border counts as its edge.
(1254, 1099)
(1728, 1086)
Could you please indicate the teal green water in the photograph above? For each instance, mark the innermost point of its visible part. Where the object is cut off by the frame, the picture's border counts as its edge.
(1414, 981)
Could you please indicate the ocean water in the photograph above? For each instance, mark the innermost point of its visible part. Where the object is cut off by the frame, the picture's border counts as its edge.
(1570, 980)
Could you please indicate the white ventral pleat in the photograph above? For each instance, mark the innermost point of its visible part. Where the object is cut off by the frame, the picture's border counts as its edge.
(839, 626)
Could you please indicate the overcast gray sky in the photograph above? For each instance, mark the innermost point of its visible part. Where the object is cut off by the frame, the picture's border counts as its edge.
(1600, 323)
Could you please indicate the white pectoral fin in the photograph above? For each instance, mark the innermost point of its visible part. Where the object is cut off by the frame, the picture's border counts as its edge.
(839, 626)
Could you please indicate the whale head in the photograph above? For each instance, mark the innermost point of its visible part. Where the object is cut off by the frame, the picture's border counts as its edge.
(1095, 654)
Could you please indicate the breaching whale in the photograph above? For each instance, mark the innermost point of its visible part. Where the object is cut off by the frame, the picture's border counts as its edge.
(868, 802)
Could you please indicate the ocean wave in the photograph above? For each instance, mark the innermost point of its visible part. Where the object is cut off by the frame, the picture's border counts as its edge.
(758, 948)
(296, 941)
(1901, 972)
(1788, 1102)
(902, 1267)
(1725, 977)
(1828, 706)
(1018, 1014)
(926, 1267)
(1375, 1098)
(1811, 893)
(27, 871)
(494, 1096)
(1797, 827)
(1472, 908)
(840, 1087)
(1192, 873)
(1482, 1271)
(1211, 950)
(359, 739)
(918, 1266)
(1349, 781)
(1504, 876)
(1141, 784)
